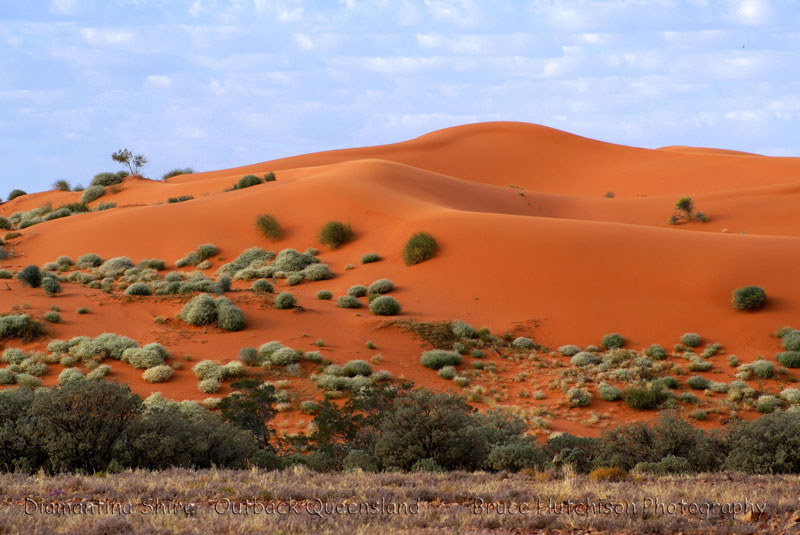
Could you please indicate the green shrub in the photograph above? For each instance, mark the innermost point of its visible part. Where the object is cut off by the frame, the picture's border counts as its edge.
(385, 306)
(284, 300)
(359, 460)
(138, 288)
(447, 372)
(108, 179)
(69, 375)
(691, 339)
(284, 356)
(767, 404)
(317, 272)
(209, 386)
(7, 377)
(609, 392)
(206, 250)
(790, 359)
(516, 456)
(641, 398)
(50, 286)
(439, 358)
(92, 193)
(157, 374)
(324, 295)
(791, 340)
(21, 326)
(229, 316)
(335, 234)
(153, 263)
(763, 369)
(179, 198)
(569, 350)
(767, 445)
(89, 260)
(5, 274)
(247, 181)
(269, 227)
(612, 341)
(82, 310)
(348, 301)
(668, 465)
(114, 267)
(201, 310)
(249, 356)
(148, 356)
(52, 317)
(369, 258)
(99, 373)
(262, 285)
(357, 367)
(16, 193)
(522, 342)
(749, 298)
(357, 291)
(30, 276)
(420, 247)
(584, 358)
(791, 395)
(578, 397)
(176, 172)
(656, 352)
(698, 383)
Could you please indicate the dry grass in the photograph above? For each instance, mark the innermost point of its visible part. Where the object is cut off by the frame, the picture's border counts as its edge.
(446, 503)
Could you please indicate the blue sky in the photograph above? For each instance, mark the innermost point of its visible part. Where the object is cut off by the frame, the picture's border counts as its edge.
(213, 84)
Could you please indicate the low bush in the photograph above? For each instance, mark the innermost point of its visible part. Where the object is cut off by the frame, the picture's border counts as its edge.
(89, 260)
(767, 445)
(21, 326)
(334, 234)
(789, 359)
(201, 310)
(157, 374)
(447, 372)
(420, 247)
(324, 295)
(179, 198)
(385, 306)
(691, 339)
(284, 356)
(569, 350)
(584, 358)
(381, 286)
(317, 272)
(516, 456)
(148, 356)
(656, 352)
(229, 316)
(643, 398)
(284, 300)
(612, 341)
(348, 301)
(50, 286)
(767, 404)
(609, 392)
(30, 276)
(698, 383)
(791, 340)
(522, 342)
(369, 258)
(92, 193)
(749, 298)
(578, 397)
(608, 473)
(269, 227)
(153, 263)
(247, 181)
(262, 286)
(668, 465)
(357, 367)
(249, 356)
(357, 291)
(114, 267)
(439, 358)
(763, 369)
(462, 329)
(209, 386)
(138, 288)
(69, 375)
(52, 317)
(176, 172)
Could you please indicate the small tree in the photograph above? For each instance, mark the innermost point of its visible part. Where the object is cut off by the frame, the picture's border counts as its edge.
(251, 409)
(126, 157)
(684, 210)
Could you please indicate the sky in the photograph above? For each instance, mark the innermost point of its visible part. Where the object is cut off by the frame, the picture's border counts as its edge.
(211, 84)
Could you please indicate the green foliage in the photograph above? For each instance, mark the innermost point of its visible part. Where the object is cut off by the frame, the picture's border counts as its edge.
(381, 286)
(133, 161)
(643, 398)
(209, 386)
(50, 286)
(106, 179)
(16, 193)
(176, 172)
(179, 198)
(145, 357)
(612, 341)
(448, 372)
(92, 193)
(262, 286)
(357, 291)
(789, 359)
(251, 409)
(157, 374)
(523, 342)
(462, 329)
(578, 397)
(517, 456)
(89, 260)
(370, 257)
(52, 317)
(698, 383)
(114, 267)
(248, 181)
(609, 392)
(770, 444)
(691, 339)
(763, 369)
(334, 234)
(385, 306)
(21, 326)
(284, 300)
(439, 358)
(269, 227)
(30, 276)
(324, 295)
(138, 288)
(569, 350)
(420, 247)
(201, 310)
(749, 298)
(357, 367)
(656, 352)
(61, 185)
(584, 358)
(229, 316)
(348, 301)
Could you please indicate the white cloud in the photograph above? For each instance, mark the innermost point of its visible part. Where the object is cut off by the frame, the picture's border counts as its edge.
(106, 37)
(158, 81)
(460, 12)
(64, 7)
(751, 12)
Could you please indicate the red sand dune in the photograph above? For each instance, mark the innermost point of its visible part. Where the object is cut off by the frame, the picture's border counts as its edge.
(528, 241)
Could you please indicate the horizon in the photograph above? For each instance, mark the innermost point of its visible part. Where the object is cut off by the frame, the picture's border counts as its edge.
(213, 85)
